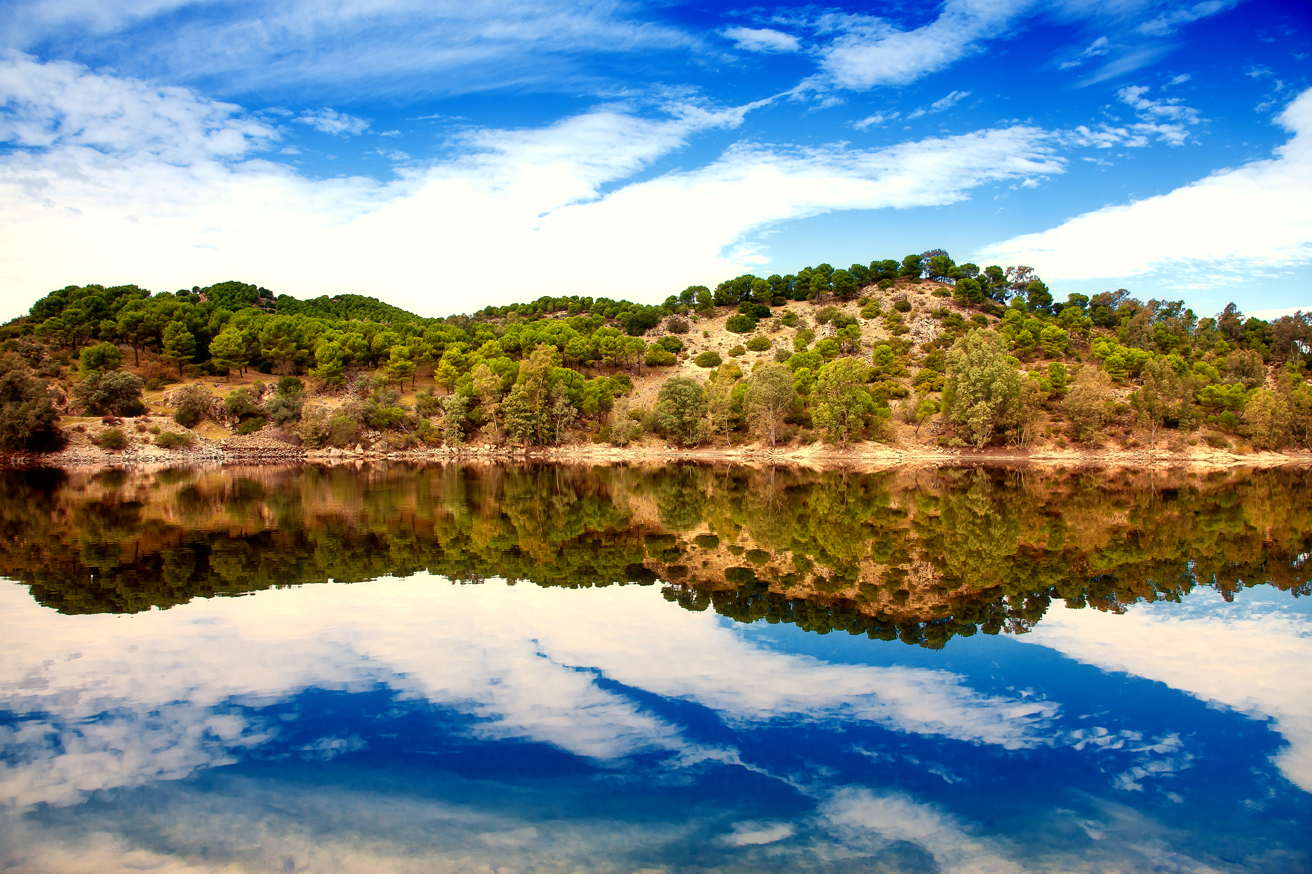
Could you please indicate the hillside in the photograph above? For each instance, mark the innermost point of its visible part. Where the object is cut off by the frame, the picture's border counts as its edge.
(920, 353)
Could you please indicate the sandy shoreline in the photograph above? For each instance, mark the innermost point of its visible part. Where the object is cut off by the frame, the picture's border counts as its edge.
(864, 456)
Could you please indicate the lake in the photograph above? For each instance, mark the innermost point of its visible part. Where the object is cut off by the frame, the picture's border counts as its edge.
(622, 669)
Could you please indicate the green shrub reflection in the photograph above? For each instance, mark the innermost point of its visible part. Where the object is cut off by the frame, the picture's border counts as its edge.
(918, 556)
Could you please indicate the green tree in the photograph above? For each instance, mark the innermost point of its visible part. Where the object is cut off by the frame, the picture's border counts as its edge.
(841, 400)
(1159, 399)
(330, 364)
(1267, 419)
(681, 409)
(179, 345)
(487, 385)
(228, 350)
(981, 385)
(27, 413)
(771, 397)
(191, 405)
(110, 392)
(100, 358)
(400, 367)
(1086, 403)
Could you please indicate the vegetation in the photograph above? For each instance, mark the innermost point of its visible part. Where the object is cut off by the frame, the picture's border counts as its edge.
(983, 356)
(886, 556)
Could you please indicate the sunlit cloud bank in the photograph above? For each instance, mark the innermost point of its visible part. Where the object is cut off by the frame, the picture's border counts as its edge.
(1251, 660)
(1256, 216)
(523, 660)
(141, 197)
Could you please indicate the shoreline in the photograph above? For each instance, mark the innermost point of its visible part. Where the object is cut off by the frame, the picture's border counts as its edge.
(864, 456)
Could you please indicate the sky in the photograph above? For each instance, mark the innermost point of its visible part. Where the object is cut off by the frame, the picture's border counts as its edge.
(444, 156)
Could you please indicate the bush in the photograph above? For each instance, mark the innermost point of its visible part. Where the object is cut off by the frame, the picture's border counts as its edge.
(826, 314)
(27, 414)
(758, 343)
(174, 440)
(942, 292)
(788, 319)
(251, 425)
(902, 306)
(782, 354)
(708, 359)
(112, 439)
(740, 323)
(676, 325)
(193, 404)
(737, 351)
(110, 392)
(658, 356)
(1215, 440)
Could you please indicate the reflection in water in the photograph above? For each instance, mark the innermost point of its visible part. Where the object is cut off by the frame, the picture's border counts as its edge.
(923, 556)
(408, 724)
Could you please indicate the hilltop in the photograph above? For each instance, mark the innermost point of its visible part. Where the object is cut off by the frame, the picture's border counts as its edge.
(919, 355)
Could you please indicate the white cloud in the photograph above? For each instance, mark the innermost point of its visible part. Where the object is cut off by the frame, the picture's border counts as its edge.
(388, 46)
(753, 39)
(1256, 214)
(1097, 48)
(1169, 22)
(947, 102)
(556, 197)
(63, 104)
(330, 121)
(879, 118)
(1247, 659)
(523, 660)
(870, 52)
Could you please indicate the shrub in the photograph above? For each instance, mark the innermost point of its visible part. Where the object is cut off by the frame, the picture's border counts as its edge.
(251, 425)
(758, 343)
(872, 310)
(708, 358)
(658, 356)
(1215, 440)
(825, 314)
(112, 439)
(676, 325)
(942, 292)
(110, 392)
(902, 306)
(788, 319)
(737, 351)
(174, 440)
(193, 404)
(740, 323)
(782, 354)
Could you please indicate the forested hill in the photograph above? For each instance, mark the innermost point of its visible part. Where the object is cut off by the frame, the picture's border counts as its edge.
(913, 350)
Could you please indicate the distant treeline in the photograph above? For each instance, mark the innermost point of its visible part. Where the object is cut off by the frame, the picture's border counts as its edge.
(1007, 362)
(921, 559)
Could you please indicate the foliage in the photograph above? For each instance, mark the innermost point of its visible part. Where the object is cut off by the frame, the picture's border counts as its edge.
(771, 397)
(100, 358)
(982, 386)
(174, 440)
(1086, 404)
(842, 402)
(192, 405)
(681, 410)
(111, 391)
(112, 439)
(709, 358)
(27, 413)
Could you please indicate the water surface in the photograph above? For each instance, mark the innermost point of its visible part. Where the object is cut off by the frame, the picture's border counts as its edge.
(690, 669)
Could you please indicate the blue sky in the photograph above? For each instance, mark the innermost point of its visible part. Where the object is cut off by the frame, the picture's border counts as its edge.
(444, 156)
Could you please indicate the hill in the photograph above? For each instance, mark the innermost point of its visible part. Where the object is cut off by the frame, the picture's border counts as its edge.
(913, 352)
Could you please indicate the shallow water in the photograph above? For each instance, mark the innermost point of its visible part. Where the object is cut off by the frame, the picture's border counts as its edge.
(694, 669)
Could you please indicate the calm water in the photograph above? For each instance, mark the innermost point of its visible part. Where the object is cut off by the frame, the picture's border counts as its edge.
(692, 669)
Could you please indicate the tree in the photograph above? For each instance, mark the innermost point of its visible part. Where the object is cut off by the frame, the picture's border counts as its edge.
(842, 402)
(1160, 397)
(179, 345)
(487, 385)
(771, 396)
(722, 414)
(681, 409)
(112, 392)
(191, 405)
(453, 419)
(27, 414)
(228, 350)
(100, 358)
(330, 365)
(1086, 404)
(1267, 419)
(981, 385)
(400, 367)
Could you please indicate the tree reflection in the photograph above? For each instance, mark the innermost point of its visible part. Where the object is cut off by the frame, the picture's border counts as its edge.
(912, 555)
